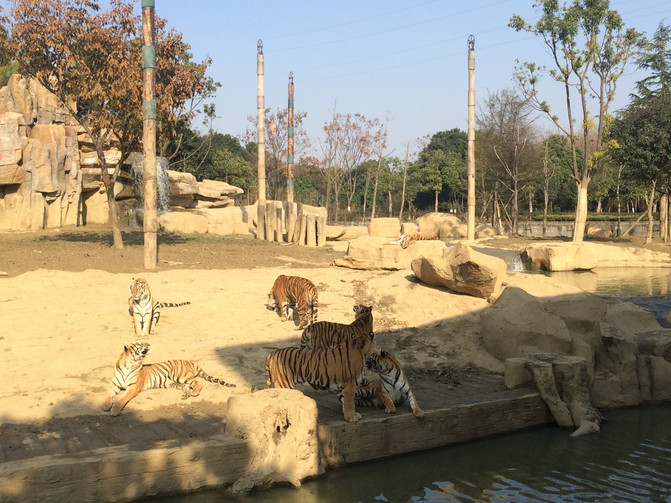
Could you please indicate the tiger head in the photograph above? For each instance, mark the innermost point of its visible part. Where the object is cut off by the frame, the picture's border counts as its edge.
(382, 362)
(272, 303)
(139, 289)
(133, 354)
(360, 310)
(364, 343)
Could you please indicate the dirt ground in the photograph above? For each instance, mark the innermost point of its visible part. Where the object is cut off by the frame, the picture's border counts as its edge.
(64, 312)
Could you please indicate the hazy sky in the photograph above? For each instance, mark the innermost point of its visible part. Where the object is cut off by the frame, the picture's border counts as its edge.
(406, 60)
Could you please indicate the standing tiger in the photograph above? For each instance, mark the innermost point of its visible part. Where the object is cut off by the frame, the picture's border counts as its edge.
(407, 239)
(386, 385)
(289, 291)
(328, 334)
(144, 310)
(339, 369)
(132, 376)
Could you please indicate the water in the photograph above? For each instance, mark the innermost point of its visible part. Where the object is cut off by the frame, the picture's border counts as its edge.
(162, 181)
(629, 461)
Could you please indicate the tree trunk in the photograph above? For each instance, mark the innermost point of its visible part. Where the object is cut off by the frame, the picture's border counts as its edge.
(663, 214)
(546, 200)
(436, 205)
(390, 201)
(114, 218)
(515, 208)
(580, 213)
(651, 203)
(619, 203)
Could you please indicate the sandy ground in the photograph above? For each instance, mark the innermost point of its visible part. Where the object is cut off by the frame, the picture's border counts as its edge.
(62, 330)
(64, 315)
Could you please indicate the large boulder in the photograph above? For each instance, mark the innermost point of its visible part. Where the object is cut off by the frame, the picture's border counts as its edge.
(387, 227)
(463, 270)
(379, 253)
(559, 257)
(184, 222)
(446, 225)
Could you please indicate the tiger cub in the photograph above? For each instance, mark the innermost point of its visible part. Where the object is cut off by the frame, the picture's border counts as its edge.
(289, 291)
(339, 369)
(132, 376)
(144, 309)
(386, 385)
(328, 334)
(407, 239)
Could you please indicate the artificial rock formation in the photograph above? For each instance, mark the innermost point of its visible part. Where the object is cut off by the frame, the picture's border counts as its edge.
(368, 252)
(463, 270)
(280, 427)
(50, 172)
(564, 385)
(627, 353)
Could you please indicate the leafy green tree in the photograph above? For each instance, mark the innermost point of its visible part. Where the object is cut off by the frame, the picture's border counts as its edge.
(643, 136)
(656, 58)
(590, 48)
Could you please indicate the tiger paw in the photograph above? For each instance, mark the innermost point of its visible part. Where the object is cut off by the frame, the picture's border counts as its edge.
(419, 413)
(390, 410)
(353, 418)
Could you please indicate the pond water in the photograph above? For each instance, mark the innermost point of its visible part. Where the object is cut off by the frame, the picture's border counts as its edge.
(629, 461)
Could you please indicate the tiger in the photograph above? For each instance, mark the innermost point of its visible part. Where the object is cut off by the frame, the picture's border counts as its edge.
(407, 239)
(143, 309)
(339, 369)
(133, 376)
(328, 334)
(289, 291)
(385, 385)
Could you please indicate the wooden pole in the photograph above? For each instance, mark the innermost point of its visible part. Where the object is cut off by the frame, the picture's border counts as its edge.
(290, 141)
(261, 143)
(471, 139)
(150, 223)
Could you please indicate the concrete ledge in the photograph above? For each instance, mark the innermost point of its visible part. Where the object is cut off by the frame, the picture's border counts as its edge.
(342, 443)
(181, 466)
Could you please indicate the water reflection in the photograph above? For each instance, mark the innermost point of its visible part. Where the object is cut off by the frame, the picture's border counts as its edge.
(645, 282)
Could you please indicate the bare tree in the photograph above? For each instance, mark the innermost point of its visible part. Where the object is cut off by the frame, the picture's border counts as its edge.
(506, 124)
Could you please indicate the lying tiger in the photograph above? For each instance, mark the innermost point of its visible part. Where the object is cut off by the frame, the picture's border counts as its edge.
(407, 239)
(289, 291)
(144, 310)
(385, 385)
(131, 377)
(339, 369)
(328, 334)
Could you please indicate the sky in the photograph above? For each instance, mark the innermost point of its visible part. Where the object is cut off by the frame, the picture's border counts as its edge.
(401, 60)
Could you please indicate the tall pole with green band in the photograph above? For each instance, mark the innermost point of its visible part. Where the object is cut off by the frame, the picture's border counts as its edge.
(261, 145)
(470, 227)
(149, 134)
(290, 141)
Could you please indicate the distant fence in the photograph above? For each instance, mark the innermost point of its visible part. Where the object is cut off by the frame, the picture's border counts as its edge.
(606, 229)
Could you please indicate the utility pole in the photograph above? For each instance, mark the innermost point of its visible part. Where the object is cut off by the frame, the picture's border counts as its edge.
(471, 139)
(261, 143)
(150, 223)
(290, 141)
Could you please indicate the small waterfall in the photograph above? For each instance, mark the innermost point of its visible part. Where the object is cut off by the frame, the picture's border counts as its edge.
(136, 161)
(163, 185)
(512, 258)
